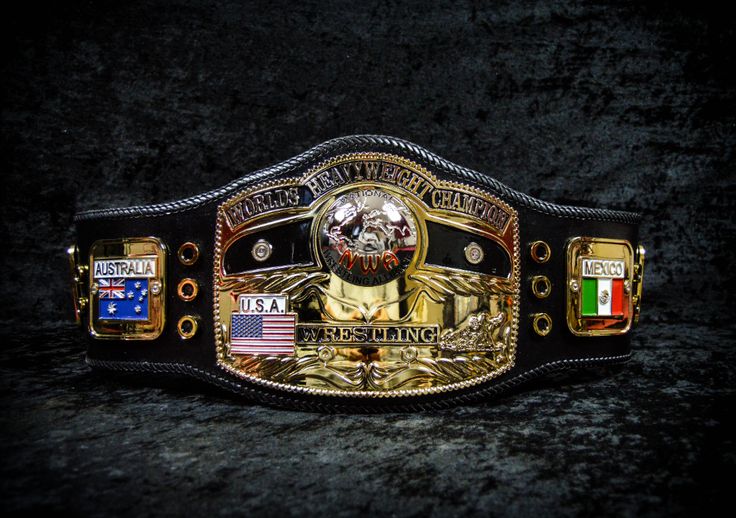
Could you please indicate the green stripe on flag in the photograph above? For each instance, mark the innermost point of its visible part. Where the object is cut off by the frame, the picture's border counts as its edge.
(590, 297)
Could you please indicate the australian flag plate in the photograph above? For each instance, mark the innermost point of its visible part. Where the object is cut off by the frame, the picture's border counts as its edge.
(123, 299)
(127, 288)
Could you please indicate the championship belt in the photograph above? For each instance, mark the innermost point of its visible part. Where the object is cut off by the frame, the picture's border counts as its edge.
(364, 272)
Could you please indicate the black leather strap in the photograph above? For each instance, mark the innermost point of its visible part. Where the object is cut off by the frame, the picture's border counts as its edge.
(194, 220)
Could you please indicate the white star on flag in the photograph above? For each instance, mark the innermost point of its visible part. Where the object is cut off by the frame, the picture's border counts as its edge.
(111, 308)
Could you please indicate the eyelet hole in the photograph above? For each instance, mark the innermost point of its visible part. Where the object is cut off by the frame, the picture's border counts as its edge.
(188, 253)
(188, 289)
(187, 326)
(541, 286)
(542, 324)
(540, 251)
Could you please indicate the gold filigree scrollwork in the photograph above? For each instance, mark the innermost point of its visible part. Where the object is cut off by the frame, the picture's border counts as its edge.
(293, 284)
(368, 376)
(373, 316)
(481, 332)
(442, 285)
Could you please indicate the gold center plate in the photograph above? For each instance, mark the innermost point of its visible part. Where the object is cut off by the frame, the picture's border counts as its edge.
(356, 308)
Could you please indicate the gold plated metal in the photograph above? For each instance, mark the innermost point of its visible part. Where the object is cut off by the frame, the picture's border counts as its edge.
(188, 253)
(600, 273)
(187, 289)
(368, 316)
(187, 326)
(127, 288)
(540, 251)
(78, 273)
(542, 323)
(541, 286)
(638, 281)
(383, 249)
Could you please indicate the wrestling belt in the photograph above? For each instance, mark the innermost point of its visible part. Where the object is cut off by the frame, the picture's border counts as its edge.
(364, 272)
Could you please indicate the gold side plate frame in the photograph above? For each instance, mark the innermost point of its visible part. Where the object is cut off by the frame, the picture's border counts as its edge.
(638, 281)
(580, 248)
(477, 325)
(78, 273)
(125, 249)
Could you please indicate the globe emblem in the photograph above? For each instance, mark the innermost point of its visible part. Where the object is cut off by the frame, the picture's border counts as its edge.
(368, 237)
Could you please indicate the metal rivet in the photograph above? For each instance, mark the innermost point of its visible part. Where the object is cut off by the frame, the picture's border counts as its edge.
(188, 253)
(542, 323)
(262, 250)
(540, 251)
(541, 286)
(325, 353)
(155, 287)
(474, 253)
(574, 286)
(187, 326)
(187, 289)
(409, 353)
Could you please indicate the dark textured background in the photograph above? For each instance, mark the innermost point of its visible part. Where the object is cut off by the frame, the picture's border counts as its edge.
(613, 105)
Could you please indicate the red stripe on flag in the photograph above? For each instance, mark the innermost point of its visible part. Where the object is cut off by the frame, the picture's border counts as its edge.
(269, 351)
(617, 297)
(277, 338)
(252, 350)
(262, 350)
